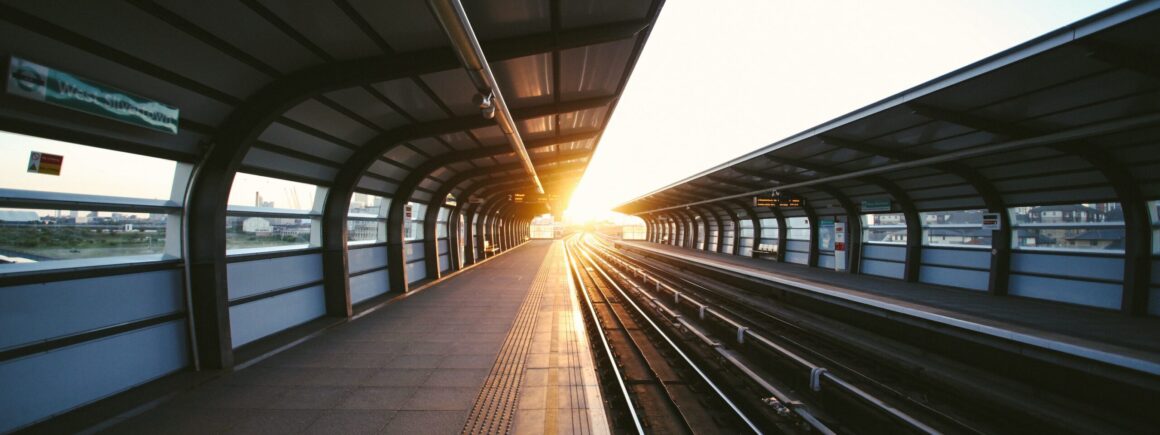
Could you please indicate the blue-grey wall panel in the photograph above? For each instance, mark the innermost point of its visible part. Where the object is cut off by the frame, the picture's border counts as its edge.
(416, 271)
(1110, 268)
(797, 257)
(257, 319)
(1156, 272)
(260, 276)
(444, 263)
(826, 261)
(369, 285)
(42, 385)
(797, 245)
(413, 250)
(768, 242)
(36, 312)
(884, 252)
(443, 246)
(1065, 290)
(882, 268)
(728, 248)
(367, 258)
(979, 259)
(952, 277)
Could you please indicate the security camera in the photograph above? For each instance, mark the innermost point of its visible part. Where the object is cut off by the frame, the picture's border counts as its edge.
(486, 107)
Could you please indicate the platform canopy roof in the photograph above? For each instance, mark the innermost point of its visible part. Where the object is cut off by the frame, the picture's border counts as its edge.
(346, 91)
(1070, 117)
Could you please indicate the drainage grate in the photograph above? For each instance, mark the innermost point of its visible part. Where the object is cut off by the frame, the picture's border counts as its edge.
(496, 404)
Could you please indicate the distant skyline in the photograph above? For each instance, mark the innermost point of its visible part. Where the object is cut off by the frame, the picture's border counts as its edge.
(719, 79)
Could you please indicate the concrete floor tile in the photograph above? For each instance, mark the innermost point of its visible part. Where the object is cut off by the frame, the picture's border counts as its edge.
(457, 378)
(468, 362)
(427, 422)
(312, 397)
(384, 398)
(399, 378)
(442, 399)
(351, 421)
(273, 421)
(413, 362)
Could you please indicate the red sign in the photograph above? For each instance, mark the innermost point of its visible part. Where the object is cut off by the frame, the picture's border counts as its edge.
(44, 163)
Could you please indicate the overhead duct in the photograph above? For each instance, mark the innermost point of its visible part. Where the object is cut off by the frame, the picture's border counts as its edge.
(490, 99)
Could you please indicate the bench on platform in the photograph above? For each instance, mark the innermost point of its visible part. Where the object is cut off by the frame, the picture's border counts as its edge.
(767, 249)
(489, 249)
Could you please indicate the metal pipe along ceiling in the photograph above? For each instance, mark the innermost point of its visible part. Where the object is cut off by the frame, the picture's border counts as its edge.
(454, 21)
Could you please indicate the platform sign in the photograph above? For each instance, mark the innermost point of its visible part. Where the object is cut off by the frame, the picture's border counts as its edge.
(778, 200)
(44, 163)
(991, 221)
(38, 82)
(839, 246)
(871, 205)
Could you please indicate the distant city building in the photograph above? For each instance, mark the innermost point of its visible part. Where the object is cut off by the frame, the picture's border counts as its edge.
(257, 226)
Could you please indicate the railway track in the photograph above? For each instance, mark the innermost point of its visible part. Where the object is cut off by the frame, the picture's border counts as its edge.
(843, 378)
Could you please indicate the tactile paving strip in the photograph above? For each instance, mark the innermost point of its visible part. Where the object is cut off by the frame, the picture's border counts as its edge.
(496, 404)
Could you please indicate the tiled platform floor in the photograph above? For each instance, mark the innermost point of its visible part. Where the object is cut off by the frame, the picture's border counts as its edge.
(414, 366)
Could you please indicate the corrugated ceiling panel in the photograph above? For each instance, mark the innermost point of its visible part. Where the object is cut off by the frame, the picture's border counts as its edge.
(587, 13)
(298, 140)
(525, 81)
(317, 115)
(454, 88)
(412, 100)
(508, 18)
(376, 185)
(359, 101)
(406, 26)
(405, 156)
(593, 70)
(326, 26)
(246, 30)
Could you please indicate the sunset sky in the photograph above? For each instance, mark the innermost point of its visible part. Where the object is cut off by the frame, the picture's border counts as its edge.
(719, 79)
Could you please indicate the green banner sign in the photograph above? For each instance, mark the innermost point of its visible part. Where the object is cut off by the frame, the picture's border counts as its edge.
(41, 83)
(875, 205)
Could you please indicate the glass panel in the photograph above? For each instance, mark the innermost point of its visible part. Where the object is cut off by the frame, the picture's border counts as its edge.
(366, 205)
(955, 228)
(888, 228)
(1084, 227)
(265, 192)
(33, 235)
(244, 232)
(413, 221)
(798, 228)
(84, 170)
(365, 230)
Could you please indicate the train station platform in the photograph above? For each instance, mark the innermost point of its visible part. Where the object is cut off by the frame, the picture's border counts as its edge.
(496, 348)
(1088, 333)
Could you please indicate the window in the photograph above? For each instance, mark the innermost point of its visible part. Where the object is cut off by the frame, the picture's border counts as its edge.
(82, 216)
(1070, 227)
(885, 228)
(366, 219)
(266, 214)
(769, 228)
(413, 221)
(797, 228)
(441, 222)
(962, 228)
(1154, 211)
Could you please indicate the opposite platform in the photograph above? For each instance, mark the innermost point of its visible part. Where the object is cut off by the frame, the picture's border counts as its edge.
(1100, 335)
(496, 348)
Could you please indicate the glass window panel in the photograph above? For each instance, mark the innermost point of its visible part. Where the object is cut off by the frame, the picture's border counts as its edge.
(265, 192)
(887, 228)
(84, 170)
(1070, 227)
(35, 235)
(245, 232)
(955, 228)
(366, 205)
(365, 230)
(798, 228)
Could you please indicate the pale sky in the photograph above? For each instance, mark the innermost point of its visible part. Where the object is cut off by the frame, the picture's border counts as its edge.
(719, 79)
